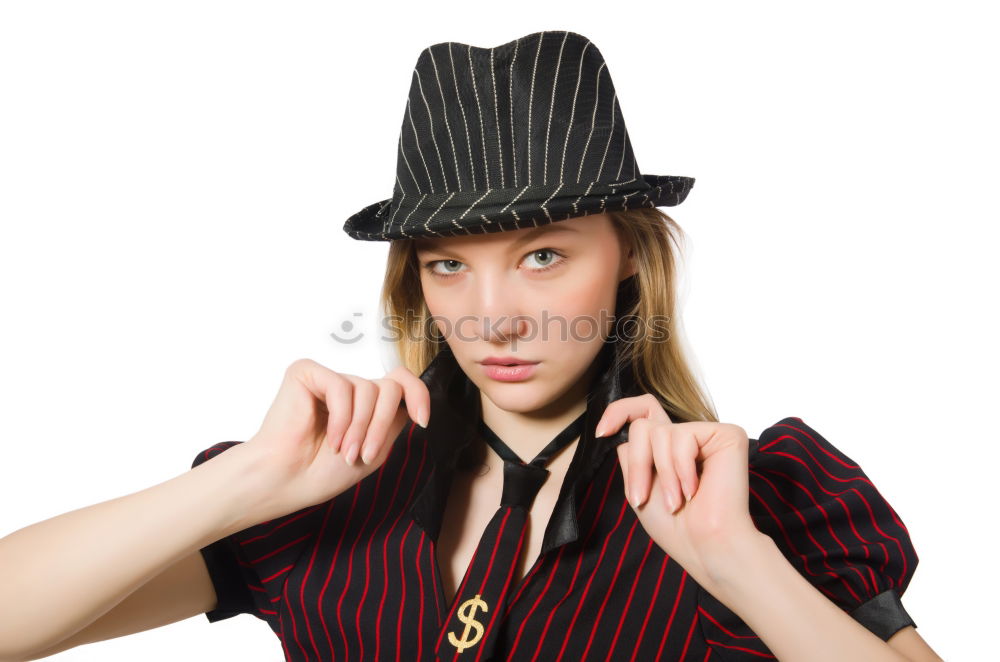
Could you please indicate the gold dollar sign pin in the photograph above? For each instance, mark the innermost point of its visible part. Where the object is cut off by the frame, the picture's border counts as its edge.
(467, 614)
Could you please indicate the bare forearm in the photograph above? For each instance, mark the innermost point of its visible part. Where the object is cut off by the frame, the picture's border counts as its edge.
(59, 575)
(794, 619)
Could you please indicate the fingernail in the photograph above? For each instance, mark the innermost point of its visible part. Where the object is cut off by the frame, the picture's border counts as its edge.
(366, 455)
(633, 497)
(352, 454)
(600, 431)
(671, 504)
(422, 417)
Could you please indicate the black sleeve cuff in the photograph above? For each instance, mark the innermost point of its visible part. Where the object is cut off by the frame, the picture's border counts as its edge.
(884, 614)
(230, 588)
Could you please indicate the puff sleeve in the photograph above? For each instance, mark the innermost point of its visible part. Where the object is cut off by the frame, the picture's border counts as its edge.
(248, 568)
(832, 524)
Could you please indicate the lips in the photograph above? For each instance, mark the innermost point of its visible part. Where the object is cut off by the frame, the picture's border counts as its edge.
(509, 373)
(506, 360)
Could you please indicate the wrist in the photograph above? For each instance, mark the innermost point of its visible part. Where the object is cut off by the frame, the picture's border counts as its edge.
(248, 487)
(738, 558)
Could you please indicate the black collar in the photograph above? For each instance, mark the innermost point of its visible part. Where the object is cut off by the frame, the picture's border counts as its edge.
(455, 414)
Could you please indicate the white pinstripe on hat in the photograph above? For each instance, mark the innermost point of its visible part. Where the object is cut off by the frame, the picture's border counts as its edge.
(515, 136)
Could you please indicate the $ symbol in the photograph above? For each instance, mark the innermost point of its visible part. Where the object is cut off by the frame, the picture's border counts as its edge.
(467, 614)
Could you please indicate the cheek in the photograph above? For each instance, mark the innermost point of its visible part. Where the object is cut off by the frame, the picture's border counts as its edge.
(581, 315)
(586, 292)
(436, 297)
(446, 312)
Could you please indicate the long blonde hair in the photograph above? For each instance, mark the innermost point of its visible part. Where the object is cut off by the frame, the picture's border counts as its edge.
(660, 367)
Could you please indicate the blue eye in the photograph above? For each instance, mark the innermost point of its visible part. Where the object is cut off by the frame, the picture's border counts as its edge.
(543, 251)
(430, 266)
(452, 267)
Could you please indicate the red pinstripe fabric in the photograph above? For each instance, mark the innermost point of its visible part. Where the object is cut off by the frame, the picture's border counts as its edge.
(356, 578)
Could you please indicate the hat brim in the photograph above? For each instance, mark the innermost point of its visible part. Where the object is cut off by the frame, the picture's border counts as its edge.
(465, 213)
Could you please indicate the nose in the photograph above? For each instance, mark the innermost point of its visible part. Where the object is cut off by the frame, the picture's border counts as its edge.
(501, 318)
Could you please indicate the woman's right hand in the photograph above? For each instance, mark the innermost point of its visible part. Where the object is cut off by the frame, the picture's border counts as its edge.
(322, 421)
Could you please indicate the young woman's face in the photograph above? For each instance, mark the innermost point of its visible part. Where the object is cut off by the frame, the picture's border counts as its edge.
(542, 294)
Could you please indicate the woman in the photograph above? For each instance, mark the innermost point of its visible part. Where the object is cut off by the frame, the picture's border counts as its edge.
(476, 508)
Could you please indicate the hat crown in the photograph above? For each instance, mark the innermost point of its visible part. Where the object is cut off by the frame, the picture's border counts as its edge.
(516, 135)
(536, 111)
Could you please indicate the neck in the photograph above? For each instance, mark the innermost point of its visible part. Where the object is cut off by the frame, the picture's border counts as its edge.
(527, 433)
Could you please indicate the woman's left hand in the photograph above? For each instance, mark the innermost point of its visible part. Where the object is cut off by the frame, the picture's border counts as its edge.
(661, 460)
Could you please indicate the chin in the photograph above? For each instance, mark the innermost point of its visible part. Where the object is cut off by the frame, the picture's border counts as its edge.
(520, 397)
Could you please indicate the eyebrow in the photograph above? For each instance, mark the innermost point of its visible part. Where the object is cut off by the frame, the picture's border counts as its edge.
(548, 228)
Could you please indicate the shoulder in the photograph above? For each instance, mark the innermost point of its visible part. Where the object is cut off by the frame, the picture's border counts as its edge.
(832, 523)
(807, 491)
(794, 439)
(796, 472)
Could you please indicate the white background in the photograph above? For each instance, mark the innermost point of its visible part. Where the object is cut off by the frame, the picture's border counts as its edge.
(174, 177)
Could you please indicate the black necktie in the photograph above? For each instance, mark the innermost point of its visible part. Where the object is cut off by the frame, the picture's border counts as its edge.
(473, 621)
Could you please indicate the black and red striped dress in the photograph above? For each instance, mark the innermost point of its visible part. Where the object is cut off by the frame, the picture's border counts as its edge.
(357, 578)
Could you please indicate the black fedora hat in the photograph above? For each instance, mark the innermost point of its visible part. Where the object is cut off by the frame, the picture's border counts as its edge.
(515, 136)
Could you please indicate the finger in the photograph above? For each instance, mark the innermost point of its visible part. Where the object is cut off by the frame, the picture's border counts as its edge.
(663, 460)
(623, 463)
(415, 394)
(339, 398)
(640, 459)
(330, 388)
(383, 415)
(625, 410)
(684, 452)
(365, 394)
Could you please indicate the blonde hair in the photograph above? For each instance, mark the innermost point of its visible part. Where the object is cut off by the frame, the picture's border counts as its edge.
(661, 368)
